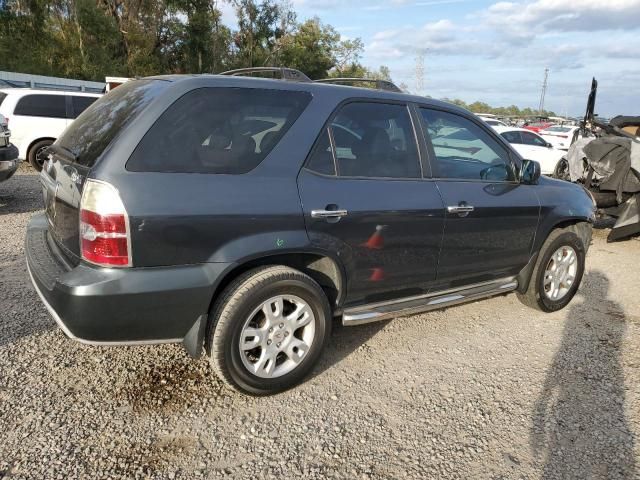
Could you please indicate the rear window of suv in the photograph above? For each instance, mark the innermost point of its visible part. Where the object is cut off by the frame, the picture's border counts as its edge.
(218, 130)
(90, 134)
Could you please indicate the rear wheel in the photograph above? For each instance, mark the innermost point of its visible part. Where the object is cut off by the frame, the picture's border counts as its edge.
(557, 274)
(268, 330)
(36, 155)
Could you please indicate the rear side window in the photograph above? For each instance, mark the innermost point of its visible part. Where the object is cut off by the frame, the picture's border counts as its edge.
(2, 97)
(52, 106)
(218, 130)
(98, 125)
(375, 140)
(80, 104)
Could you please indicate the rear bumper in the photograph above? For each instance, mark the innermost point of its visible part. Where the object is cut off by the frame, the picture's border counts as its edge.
(118, 306)
(8, 162)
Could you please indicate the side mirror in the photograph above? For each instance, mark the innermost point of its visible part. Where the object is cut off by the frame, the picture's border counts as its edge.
(549, 145)
(530, 172)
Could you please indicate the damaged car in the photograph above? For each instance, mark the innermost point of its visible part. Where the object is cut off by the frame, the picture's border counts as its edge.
(607, 162)
(8, 153)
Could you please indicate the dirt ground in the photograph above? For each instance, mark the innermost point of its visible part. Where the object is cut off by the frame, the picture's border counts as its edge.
(488, 390)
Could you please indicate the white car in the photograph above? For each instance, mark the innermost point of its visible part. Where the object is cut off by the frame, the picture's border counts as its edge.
(532, 146)
(38, 117)
(560, 136)
(493, 122)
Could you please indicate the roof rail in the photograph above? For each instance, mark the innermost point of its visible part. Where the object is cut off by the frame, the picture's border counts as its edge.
(379, 84)
(289, 74)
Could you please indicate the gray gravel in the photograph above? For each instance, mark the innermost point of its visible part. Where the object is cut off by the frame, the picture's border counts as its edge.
(486, 390)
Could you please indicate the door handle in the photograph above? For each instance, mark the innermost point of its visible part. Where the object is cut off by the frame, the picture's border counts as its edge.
(462, 210)
(329, 213)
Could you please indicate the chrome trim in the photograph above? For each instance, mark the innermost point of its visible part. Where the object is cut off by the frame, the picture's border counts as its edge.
(423, 303)
(68, 333)
(329, 213)
(460, 209)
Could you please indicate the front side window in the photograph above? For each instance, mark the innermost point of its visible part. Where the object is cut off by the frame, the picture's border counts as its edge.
(218, 130)
(464, 150)
(80, 104)
(512, 137)
(375, 140)
(529, 138)
(52, 106)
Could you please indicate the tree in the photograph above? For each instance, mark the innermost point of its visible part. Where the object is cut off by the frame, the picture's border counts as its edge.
(310, 48)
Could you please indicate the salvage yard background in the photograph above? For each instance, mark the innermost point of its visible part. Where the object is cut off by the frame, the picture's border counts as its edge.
(485, 390)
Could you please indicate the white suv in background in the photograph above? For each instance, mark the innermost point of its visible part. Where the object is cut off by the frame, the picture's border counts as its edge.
(37, 117)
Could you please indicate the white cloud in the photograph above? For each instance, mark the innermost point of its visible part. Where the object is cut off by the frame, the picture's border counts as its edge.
(524, 21)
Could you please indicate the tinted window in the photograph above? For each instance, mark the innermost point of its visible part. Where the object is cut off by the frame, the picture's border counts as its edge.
(2, 97)
(464, 150)
(375, 140)
(512, 137)
(529, 138)
(52, 106)
(218, 130)
(97, 126)
(321, 159)
(80, 104)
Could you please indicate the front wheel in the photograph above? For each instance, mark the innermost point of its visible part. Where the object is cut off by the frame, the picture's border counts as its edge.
(268, 329)
(562, 170)
(557, 274)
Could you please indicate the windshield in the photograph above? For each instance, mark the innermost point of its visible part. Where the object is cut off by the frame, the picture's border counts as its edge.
(90, 134)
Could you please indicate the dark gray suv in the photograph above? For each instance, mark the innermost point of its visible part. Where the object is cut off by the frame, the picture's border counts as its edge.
(240, 215)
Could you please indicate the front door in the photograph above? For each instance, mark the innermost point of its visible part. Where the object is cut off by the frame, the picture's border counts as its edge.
(491, 218)
(364, 198)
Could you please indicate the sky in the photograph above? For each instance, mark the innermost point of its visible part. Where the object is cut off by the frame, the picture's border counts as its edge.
(497, 51)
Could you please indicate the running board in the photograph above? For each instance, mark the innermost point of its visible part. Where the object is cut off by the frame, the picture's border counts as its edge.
(424, 303)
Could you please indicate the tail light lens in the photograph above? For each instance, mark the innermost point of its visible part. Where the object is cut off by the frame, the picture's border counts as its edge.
(104, 226)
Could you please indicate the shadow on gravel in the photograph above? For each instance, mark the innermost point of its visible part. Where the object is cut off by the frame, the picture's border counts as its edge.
(344, 341)
(21, 193)
(579, 425)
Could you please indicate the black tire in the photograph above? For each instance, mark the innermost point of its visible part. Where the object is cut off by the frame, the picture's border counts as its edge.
(236, 304)
(535, 297)
(562, 170)
(35, 157)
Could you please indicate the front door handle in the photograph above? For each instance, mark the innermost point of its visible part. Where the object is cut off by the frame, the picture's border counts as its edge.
(462, 210)
(329, 213)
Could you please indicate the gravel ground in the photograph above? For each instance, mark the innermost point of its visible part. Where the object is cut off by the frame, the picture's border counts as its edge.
(486, 390)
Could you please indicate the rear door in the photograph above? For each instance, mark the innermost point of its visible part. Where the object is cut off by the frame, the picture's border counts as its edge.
(491, 218)
(364, 198)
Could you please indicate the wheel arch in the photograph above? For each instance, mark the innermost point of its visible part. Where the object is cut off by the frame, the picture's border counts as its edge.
(33, 142)
(581, 226)
(322, 267)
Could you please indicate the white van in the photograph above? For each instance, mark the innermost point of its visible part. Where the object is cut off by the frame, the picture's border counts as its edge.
(37, 117)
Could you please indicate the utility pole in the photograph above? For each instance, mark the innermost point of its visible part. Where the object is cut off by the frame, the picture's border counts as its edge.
(419, 73)
(544, 91)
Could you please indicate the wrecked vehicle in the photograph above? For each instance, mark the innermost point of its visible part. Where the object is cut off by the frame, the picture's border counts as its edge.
(607, 162)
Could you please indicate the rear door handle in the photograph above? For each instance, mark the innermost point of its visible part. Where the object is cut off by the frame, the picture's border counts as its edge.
(329, 213)
(462, 210)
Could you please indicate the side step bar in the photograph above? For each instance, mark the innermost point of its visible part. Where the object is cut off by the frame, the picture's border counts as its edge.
(423, 303)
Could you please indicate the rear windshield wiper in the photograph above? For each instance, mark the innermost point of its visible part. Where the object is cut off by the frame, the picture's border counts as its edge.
(63, 152)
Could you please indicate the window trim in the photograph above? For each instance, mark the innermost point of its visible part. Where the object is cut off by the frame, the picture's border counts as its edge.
(327, 126)
(517, 164)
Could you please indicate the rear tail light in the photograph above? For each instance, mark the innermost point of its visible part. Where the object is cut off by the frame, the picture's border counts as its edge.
(104, 226)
